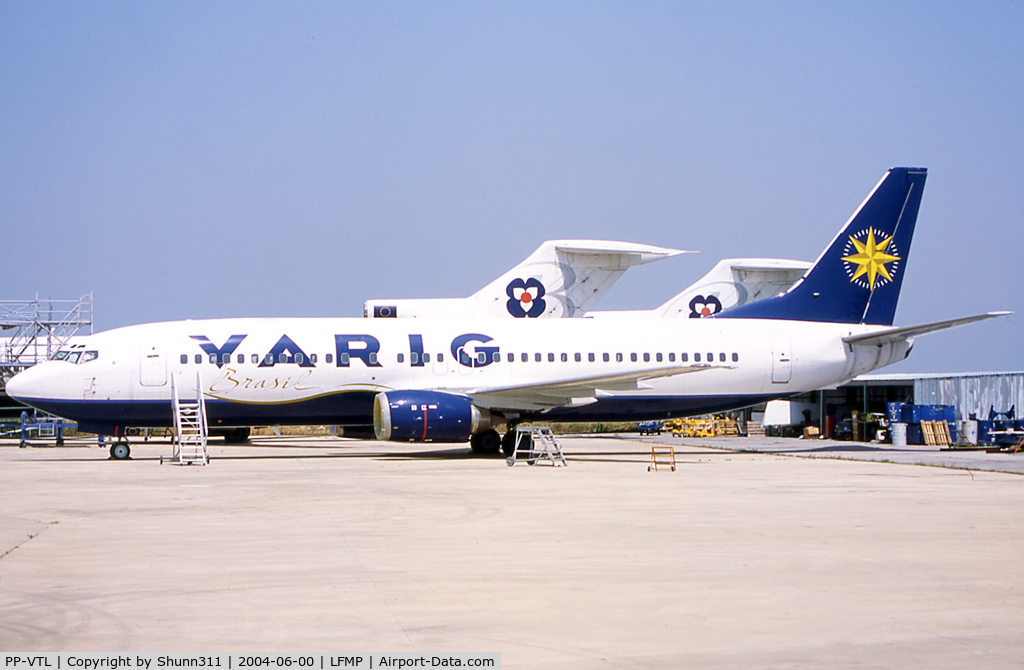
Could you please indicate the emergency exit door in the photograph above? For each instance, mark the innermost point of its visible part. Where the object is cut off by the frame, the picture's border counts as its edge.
(782, 359)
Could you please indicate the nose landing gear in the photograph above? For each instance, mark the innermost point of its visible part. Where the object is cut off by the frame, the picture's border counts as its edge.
(120, 451)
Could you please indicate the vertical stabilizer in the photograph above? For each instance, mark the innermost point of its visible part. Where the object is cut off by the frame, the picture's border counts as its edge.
(858, 277)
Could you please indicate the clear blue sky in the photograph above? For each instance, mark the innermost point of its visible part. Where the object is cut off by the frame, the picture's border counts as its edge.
(194, 160)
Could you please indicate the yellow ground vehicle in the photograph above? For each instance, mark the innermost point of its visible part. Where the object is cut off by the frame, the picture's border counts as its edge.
(718, 426)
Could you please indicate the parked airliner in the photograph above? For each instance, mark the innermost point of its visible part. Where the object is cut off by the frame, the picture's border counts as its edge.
(459, 379)
(565, 279)
(560, 279)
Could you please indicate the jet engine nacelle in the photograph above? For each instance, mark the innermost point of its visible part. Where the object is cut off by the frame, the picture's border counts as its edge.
(427, 416)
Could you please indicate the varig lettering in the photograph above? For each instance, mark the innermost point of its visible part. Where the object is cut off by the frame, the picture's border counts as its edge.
(480, 357)
(219, 354)
(363, 347)
(286, 351)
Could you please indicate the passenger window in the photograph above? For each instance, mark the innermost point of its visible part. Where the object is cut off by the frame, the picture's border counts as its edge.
(440, 358)
(632, 358)
(591, 358)
(696, 358)
(647, 358)
(184, 359)
(735, 358)
(618, 358)
(300, 358)
(255, 358)
(414, 357)
(401, 358)
(551, 358)
(226, 358)
(268, 359)
(657, 357)
(536, 358)
(481, 357)
(496, 357)
(721, 357)
(312, 358)
(684, 357)
(711, 358)
(241, 358)
(511, 358)
(671, 357)
(282, 357)
(342, 358)
(426, 358)
(525, 358)
(199, 359)
(329, 358)
(605, 357)
(372, 357)
(565, 358)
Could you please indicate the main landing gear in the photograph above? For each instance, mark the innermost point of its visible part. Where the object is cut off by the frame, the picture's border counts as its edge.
(486, 443)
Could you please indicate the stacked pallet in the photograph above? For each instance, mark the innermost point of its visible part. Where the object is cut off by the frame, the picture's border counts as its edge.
(936, 433)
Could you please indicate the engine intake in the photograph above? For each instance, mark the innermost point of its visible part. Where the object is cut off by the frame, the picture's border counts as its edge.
(427, 416)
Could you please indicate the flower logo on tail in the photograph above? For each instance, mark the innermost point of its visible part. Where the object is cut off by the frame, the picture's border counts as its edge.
(525, 298)
(701, 306)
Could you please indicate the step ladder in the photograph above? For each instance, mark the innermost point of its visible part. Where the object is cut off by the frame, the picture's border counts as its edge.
(190, 426)
(662, 457)
(536, 443)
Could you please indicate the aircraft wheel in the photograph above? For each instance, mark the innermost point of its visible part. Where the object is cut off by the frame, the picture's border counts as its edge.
(237, 436)
(508, 442)
(525, 448)
(120, 451)
(486, 443)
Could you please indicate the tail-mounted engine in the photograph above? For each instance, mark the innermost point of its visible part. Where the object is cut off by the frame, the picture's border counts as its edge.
(427, 416)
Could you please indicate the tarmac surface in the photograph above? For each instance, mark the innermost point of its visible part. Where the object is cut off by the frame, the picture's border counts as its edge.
(743, 557)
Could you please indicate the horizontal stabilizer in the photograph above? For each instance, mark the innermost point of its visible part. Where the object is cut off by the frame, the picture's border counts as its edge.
(891, 335)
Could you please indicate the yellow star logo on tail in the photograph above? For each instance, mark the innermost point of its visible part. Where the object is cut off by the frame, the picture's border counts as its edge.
(871, 258)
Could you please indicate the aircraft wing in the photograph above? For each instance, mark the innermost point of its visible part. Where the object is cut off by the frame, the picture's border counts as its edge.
(890, 335)
(575, 391)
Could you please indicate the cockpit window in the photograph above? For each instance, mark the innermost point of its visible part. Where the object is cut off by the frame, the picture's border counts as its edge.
(76, 357)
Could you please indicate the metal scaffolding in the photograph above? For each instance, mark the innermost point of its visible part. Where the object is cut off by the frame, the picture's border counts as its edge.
(33, 330)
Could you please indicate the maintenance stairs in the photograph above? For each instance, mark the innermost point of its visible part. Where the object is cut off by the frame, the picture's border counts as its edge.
(190, 426)
(536, 443)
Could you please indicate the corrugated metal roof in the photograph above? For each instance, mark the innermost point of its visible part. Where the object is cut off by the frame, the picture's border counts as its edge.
(910, 376)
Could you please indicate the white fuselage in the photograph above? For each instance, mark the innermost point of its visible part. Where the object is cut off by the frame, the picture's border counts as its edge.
(296, 371)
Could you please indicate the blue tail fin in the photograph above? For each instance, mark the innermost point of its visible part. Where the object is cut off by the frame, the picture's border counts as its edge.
(858, 277)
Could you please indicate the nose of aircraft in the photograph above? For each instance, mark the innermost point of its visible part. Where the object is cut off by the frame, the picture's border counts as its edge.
(23, 385)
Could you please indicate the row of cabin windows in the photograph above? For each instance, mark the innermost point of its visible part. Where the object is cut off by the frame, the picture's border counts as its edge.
(606, 358)
(266, 360)
(414, 358)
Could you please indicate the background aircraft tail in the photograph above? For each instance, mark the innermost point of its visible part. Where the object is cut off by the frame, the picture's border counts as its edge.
(857, 279)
